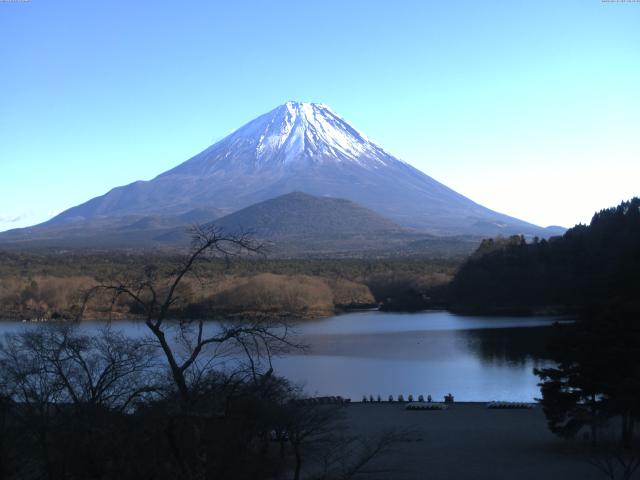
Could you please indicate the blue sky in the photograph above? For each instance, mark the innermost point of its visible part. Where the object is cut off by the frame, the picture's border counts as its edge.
(530, 108)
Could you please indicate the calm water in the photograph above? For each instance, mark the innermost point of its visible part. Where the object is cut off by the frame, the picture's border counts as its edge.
(474, 358)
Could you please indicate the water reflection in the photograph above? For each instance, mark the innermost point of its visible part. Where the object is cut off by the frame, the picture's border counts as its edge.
(475, 358)
(517, 346)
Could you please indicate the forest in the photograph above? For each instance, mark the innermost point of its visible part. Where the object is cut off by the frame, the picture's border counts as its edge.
(591, 267)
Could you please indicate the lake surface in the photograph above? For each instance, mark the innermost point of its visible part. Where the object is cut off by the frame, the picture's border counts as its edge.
(376, 353)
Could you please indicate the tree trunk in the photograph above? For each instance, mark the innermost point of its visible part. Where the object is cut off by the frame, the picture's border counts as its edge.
(594, 421)
(626, 430)
(2, 460)
(46, 457)
(173, 446)
(176, 372)
(264, 441)
(296, 450)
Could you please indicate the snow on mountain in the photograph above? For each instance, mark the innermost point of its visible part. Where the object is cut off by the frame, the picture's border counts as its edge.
(307, 131)
(304, 147)
(294, 134)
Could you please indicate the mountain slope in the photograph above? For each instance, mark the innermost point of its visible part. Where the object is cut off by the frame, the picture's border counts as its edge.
(300, 214)
(302, 225)
(308, 148)
(295, 225)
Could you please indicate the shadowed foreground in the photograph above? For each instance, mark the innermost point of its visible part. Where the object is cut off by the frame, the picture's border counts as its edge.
(469, 441)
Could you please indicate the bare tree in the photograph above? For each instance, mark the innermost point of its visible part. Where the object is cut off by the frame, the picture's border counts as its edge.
(55, 364)
(615, 459)
(155, 295)
(318, 432)
(352, 457)
(63, 384)
(617, 463)
(308, 424)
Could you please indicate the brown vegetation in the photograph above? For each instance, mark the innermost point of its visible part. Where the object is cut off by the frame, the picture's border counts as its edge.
(290, 294)
(42, 296)
(50, 286)
(49, 297)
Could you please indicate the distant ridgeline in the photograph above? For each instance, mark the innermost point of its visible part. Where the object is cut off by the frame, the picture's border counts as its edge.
(589, 268)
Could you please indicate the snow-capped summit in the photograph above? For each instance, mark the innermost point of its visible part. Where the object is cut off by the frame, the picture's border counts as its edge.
(310, 131)
(295, 134)
(300, 147)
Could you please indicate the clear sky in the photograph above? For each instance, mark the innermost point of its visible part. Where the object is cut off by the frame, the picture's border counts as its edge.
(531, 108)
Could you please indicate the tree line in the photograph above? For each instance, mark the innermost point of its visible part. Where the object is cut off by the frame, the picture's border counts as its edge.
(46, 286)
(590, 267)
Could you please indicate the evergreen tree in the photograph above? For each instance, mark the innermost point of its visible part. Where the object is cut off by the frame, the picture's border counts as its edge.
(597, 376)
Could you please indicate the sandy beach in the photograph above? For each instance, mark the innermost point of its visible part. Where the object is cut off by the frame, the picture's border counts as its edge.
(470, 441)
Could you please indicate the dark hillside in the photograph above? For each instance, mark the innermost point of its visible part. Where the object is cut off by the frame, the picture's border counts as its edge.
(589, 267)
(301, 214)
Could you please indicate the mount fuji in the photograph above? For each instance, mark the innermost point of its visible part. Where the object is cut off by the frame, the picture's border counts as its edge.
(297, 147)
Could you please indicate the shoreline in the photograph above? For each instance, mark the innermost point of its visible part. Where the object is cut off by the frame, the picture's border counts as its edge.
(292, 316)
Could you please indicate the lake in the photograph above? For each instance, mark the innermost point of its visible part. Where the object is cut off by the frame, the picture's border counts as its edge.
(378, 353)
